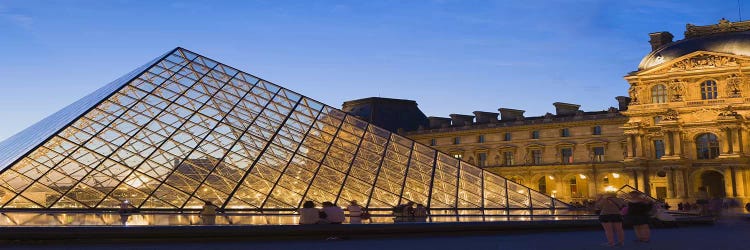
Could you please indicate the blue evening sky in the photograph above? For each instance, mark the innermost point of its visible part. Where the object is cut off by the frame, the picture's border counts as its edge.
(449, 56)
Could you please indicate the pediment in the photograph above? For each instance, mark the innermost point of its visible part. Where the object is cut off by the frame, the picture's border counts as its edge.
(696, 61)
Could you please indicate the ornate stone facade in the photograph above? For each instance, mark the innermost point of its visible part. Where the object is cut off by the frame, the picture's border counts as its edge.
(686, 127)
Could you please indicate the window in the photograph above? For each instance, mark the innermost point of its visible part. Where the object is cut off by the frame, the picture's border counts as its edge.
(542, 184)
(573, 187)
(708, 90)
(597, 130)
(458, 155)
(536, 157)
(535, 134)
(482, 159)
(707, 146)
(605, 180)
(507, 137)
(567, 155)
(457, 140)
(508, 158)
(598, 154)
(658, 149)
(659, 94)
(480, 139)
(565, 132)
(433, 142)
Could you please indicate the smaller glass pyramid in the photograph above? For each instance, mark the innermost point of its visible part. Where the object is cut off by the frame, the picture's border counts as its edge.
(184, 129)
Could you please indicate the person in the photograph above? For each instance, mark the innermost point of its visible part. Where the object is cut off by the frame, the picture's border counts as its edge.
(408, 212)
(208, 213)
(638, 215)
(355, 212)
(125, 210)
(308, 214)
(334, 214)
(680, 206)
(611, 218)
(420, 213)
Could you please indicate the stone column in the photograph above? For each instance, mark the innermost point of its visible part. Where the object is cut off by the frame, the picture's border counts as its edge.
(726, 146)
(629, 146)
(638, 146)
(686, 183)
(733, 177)
(740, 178)
(736, 144)
(668, 144)
(677, 137)
(670, 183)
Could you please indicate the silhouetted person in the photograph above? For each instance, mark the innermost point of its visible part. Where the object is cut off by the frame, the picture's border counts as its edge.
(308, 214)
(208, 213)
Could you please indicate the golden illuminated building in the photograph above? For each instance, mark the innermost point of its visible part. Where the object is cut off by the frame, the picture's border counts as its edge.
(683, 127)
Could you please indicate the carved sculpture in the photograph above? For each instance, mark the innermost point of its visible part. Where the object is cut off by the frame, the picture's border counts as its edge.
(676, 91)
(733, 86)
(670, 115)
(703, 61)
(633, 91)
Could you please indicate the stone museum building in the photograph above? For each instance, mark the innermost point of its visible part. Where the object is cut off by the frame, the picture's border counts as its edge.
(684, 126)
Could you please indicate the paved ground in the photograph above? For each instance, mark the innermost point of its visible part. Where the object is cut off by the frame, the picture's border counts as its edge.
(726, 234)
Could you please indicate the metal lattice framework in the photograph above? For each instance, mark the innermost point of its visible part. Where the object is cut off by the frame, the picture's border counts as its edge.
(184, 129)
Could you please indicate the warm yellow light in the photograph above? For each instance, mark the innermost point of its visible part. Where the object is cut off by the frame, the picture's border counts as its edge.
(582, 176)
(520, 191)
(551, 177)
(616, 175)
(554, 191)
(610, 189)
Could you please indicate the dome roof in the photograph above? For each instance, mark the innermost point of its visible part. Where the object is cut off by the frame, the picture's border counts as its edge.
(737, 43)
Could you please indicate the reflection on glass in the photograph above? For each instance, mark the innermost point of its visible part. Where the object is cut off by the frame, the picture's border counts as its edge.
(185, 129)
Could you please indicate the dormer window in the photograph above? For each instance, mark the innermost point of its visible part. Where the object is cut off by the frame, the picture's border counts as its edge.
(709, 90)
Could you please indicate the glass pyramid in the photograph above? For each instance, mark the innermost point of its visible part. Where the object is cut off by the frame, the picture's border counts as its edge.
(184, 129)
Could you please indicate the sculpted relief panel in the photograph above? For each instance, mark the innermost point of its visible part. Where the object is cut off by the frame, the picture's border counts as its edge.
(702, 62)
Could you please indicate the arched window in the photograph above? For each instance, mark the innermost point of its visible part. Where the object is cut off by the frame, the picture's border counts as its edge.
(659, 94)
(707, 145)
(708, 90)
(542, 184)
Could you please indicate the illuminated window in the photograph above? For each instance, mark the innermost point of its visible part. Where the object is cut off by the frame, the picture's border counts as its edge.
(596, 130)
(659, 94)
(480, 139)
(457, 140)
(535, 134)
(658, 149)
(573, 184)
(482, 159)
(707, 146)
(598, 154)
(709, 90)
(507, 137)
(536, 156)
(508, 158)
(567, 155)
(565, 132)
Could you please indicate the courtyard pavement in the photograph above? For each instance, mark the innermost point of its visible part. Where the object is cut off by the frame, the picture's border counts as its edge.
(725, 234)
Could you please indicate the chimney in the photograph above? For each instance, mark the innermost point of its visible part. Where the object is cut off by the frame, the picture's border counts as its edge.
(485, 117)
(439, 122)
(562, 108)
(623, 102)
(659, 38)
(510, 114)
(461, 120)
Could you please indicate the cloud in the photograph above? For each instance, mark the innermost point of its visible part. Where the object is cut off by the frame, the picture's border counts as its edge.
(20, 20)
